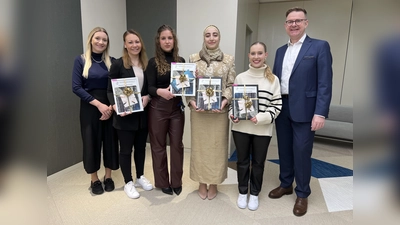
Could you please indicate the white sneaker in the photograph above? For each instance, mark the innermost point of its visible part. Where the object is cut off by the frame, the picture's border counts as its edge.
(130, 190)
(242, 201)
(253, 202)
(143, 183)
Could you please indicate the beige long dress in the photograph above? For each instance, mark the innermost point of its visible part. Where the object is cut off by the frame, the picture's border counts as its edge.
(209, 130)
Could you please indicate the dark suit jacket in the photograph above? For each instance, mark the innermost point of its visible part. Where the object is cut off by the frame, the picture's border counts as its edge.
(310, 83)
(137, 120)
(387, 75)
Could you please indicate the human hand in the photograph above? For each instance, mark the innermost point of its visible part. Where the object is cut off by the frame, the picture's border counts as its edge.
(387, 122)
(106, 111)
(194, 106)
(105, 117)
(254, 120)
(114, 107)
(165, 93)
(223, 104)
(196, 73)
(233, 119)
(317, 123)
(125, 114)
(145, 100)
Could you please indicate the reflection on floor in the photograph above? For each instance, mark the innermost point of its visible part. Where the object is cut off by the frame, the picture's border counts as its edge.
(331, 202)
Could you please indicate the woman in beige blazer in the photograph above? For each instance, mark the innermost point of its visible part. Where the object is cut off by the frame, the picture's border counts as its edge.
(210, 128)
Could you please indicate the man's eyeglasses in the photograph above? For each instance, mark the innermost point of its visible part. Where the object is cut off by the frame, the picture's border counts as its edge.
(297, 22)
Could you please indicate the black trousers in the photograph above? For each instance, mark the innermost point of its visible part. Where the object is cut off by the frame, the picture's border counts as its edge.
(166, 118)
(257, 147)
(127, 140)
(97, 135)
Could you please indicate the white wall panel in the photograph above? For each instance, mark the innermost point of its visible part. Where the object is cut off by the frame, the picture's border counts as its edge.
(192, 17)
(328, 20)
(110, 15)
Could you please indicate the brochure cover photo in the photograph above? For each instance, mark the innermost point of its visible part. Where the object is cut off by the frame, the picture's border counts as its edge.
(209, 93)
(245, 101)
(127, 95)
(183, 80)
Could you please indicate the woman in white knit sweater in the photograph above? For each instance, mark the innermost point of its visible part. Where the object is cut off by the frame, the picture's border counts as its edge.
(253, 136)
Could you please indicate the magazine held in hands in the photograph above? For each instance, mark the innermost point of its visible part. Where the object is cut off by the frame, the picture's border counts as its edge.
(209, 93)
(245, 101)
(183, 80)
(127, 95)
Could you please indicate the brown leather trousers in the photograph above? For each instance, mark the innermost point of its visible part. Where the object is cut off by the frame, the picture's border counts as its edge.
(166, 118)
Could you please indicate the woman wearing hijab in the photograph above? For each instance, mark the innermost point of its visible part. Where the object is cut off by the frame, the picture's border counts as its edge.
(210, 129)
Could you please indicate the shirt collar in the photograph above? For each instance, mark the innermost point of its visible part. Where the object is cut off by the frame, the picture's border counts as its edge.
(299, 42)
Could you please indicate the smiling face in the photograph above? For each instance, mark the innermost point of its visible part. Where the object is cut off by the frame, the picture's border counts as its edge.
(257, 55)
(296, 30)
(211, 37)
(133, 44)
(166, 41)
(99, 42)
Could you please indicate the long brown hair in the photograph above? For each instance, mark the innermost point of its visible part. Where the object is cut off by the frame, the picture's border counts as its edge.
(161, 63)
(88, 53)
(267, 72)
(142, 55)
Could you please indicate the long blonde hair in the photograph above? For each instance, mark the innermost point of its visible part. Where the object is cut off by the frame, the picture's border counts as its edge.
(267, 72)
(142, 55)
(88, 53)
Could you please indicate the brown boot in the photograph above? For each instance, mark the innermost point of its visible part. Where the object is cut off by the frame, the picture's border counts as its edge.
(300, 207)
(280, 191)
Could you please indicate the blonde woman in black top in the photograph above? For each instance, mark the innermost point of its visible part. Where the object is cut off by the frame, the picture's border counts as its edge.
(89, 83)
(132, 127)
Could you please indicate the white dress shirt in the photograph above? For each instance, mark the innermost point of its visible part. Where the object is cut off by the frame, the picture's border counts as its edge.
(288, 62)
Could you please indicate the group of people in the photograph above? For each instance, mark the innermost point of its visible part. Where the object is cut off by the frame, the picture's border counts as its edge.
(295, 95)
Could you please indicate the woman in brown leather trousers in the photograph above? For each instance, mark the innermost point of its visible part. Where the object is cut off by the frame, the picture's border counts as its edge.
(166, 115)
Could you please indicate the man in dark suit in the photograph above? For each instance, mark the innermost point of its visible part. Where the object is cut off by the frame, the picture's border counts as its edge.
(304, 68)
(387, 78)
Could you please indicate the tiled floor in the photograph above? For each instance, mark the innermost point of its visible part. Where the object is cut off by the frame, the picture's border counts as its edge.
(69, 199)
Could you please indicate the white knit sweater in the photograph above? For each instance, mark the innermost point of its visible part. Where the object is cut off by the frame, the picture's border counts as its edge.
(269, 103)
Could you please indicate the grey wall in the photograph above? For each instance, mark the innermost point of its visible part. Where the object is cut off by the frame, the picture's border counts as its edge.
(63, 44)
(247, 18)
(147, 16)
(328, 20)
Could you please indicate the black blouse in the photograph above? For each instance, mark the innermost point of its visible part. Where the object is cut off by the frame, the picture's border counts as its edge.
(134, 121)
(156, 80)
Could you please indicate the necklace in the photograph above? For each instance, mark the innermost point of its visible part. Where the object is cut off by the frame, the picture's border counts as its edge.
(97, 61)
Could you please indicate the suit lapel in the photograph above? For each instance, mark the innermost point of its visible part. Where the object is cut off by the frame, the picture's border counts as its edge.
(130, 72)
(304, 48)
(281, 55)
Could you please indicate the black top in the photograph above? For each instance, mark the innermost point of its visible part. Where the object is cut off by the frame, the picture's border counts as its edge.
(156, 80)
(136, 120)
